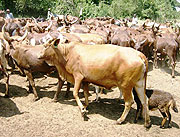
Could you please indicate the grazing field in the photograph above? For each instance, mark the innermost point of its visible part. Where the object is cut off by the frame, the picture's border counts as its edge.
(21, 117)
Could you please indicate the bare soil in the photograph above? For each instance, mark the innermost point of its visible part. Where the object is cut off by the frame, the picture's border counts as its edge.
(21, 117)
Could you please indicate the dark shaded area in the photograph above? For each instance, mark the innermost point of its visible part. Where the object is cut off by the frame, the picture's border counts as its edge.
(8, 108)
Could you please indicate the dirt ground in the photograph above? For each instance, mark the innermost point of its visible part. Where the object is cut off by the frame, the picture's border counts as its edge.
(21, 117)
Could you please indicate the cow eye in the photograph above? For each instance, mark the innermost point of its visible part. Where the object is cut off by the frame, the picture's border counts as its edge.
(56, 43)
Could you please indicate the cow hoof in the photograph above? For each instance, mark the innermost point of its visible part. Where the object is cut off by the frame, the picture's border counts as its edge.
(97, 100)
(66, 96)
(140, 117)
(85, 117)
(6, 96)
(87, 109)
(54, 100)
(119, 122)
(30, 91)
(135, 121)
(148, 125)
(169, 126)
(162, 127)
(84, 110)
(35, 99)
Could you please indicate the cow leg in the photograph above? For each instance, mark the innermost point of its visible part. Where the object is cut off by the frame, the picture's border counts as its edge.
(77, 86)
(139, 106)
(59, 87)
(140, 90)
(31, 80)
(86, 93)
(7, 83)
(68, 89)
(30, 87)
(128, 103)
(173, 64)
(120, 95)
(155, 58)
(169, 118)
(97, 93)
(164, 118)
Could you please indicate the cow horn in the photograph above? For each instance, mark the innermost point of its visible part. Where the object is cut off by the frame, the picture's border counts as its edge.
(41, 30)
(24, 36)
(66, 20)
(158, 26)
(6, 37)
(144, 25)
(178, 30)
(142, 42)
(49, 27)
(134, 40)
(27, 24)
(74, 21)
(153, 26)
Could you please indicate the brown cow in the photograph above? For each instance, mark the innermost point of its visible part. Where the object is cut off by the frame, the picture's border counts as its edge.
(3, 65)
(108, 67)
(160, 100)
(166, 46)
(121, 38)
(144, 43)
(26, 58)
(90, 38)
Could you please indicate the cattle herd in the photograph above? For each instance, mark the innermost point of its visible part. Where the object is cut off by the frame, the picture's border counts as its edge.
(102, 51)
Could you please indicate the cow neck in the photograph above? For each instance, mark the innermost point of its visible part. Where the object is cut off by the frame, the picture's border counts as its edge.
(14, 53)
(64, 49)
(60, 62)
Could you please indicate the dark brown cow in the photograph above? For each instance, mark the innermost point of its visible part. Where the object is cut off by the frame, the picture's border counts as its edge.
(108, 67)
(2, 21)
(3, 65)
(144, 43)
(2, 13)
(160, 100)
(166, 46)
(121, 38)
(26, 58)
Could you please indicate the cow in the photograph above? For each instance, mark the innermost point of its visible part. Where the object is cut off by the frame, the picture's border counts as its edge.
(90, 38)
(160, 100)
(2, 13)
(3, 65)
(109, 66)
(26, 58)
(2, 21)
(121, 38)
(166, 46)
(144, 43)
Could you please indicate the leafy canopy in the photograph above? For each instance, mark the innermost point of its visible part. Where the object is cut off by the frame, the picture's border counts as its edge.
(160, 10)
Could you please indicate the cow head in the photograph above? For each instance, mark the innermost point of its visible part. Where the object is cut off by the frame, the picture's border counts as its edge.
(155, 29)
(139, 44)
(13, 40)
(68, 22)
(48, 52)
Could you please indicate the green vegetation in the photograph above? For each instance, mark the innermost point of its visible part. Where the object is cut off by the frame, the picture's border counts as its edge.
(159, 10)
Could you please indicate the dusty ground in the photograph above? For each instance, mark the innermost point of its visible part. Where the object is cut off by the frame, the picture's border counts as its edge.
(21, 117)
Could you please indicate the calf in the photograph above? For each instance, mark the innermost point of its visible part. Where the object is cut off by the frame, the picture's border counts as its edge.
(157, 100)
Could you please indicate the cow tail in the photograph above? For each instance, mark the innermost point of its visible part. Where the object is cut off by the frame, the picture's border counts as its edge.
(174, 107)
(145, 61)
